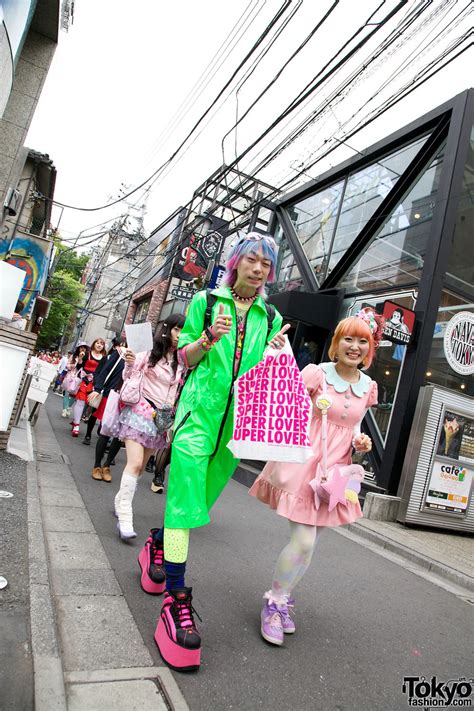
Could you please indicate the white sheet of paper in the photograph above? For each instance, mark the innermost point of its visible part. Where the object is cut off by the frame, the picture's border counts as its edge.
(139, 337)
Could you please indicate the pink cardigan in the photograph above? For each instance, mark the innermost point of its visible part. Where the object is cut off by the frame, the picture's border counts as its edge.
(159, 383)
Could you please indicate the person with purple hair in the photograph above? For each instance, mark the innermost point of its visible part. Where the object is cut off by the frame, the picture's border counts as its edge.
(201, 463)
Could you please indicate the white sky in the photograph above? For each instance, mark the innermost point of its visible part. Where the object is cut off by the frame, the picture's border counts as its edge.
(121, 73)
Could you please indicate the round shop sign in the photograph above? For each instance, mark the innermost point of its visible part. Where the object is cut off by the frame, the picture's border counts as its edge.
(459, 343)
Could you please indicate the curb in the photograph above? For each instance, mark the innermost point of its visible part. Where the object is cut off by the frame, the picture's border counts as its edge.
(49, 688)
(56, 687)
(432, 566)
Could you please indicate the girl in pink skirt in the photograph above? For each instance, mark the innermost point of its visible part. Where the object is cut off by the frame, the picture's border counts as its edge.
(138, 423)
(345, 392)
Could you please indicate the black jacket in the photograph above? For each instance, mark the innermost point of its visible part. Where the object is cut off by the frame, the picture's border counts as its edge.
(115, 380)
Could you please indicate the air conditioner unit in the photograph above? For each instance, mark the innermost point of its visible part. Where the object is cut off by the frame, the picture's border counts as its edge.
(12, 202)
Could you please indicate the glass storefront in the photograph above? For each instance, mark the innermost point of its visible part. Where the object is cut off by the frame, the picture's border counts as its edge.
(438, 370)
(395, 255)
(365, 192)
(314, 220)
(327, 222)
(387, 367)
(288, 277)
(458, 296)
(460, 270)
(433, 217)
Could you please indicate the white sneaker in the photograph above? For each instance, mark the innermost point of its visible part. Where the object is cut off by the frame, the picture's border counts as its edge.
(64, 413)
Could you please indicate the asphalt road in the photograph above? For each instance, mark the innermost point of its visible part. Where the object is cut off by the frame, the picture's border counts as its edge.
(363, 622)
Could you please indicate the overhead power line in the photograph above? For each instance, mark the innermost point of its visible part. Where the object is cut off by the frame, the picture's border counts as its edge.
(242, 63)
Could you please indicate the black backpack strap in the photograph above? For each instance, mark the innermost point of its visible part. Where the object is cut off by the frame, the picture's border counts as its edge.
(211, 300)
(270, 316)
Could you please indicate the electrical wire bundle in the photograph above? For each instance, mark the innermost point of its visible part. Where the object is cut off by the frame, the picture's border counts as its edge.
(417, 20)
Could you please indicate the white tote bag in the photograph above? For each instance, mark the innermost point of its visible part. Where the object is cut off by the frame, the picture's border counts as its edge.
(272, 411)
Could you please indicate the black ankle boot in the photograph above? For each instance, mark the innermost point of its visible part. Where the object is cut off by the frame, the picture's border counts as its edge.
(157, 485)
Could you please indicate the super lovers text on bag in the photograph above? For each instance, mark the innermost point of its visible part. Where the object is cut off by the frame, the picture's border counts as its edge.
(272, 411)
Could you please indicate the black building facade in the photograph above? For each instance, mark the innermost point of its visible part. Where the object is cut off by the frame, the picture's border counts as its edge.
(395, 223)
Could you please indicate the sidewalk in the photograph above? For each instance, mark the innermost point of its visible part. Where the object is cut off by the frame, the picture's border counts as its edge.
(74, 593)
(88, 654)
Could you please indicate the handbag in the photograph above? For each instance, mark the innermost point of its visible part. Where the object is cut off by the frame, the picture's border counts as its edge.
(110, 425)
(131, 390)
(72, 382)
(164, 419)
(94, 398)
(333, 485)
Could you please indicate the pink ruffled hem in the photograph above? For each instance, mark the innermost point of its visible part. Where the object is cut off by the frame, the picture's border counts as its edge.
(301, 509)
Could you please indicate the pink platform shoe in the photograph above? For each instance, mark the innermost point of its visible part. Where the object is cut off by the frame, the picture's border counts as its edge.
(176, 635)
(151, 561)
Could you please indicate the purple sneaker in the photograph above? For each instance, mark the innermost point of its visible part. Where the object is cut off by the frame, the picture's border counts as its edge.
(287, 621)
(271, 627)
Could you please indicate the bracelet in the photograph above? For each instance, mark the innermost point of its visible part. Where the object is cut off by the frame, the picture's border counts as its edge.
(205, 343)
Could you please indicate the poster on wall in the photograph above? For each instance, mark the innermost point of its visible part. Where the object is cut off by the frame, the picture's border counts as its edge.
(33, 256)
(456, 437)
(449, 487)
(451, 475)
(399, 323)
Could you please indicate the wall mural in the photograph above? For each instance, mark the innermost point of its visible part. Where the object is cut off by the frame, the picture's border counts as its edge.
(33, 256)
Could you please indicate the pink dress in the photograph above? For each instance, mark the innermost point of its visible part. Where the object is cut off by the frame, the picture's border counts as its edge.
(285, 486)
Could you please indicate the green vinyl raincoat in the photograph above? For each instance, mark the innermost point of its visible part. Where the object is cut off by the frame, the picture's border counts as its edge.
(201, 463)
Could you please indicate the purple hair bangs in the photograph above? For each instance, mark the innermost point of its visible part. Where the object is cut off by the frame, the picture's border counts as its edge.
(251, 245)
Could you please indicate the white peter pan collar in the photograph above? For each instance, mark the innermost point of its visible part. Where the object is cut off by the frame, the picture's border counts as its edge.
(340, 386)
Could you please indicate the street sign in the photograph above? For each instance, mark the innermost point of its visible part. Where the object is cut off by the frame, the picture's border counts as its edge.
(216, 277)
(185, 293)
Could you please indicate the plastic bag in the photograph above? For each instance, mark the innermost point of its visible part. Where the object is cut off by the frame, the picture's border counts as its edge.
(272, 411)
(110, 425)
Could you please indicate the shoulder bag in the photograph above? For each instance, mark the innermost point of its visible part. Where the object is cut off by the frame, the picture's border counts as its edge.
(131, 390)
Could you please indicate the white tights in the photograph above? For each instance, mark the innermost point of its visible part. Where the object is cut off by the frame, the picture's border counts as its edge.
(77, 411)
(294, 560)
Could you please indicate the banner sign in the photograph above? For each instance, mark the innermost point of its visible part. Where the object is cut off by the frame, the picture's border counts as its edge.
(216, 277)
(399, 323)
(197, 251)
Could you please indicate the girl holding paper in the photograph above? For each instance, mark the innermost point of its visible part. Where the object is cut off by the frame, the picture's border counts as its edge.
(323, 491)
(240, 328)
(139, 423)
